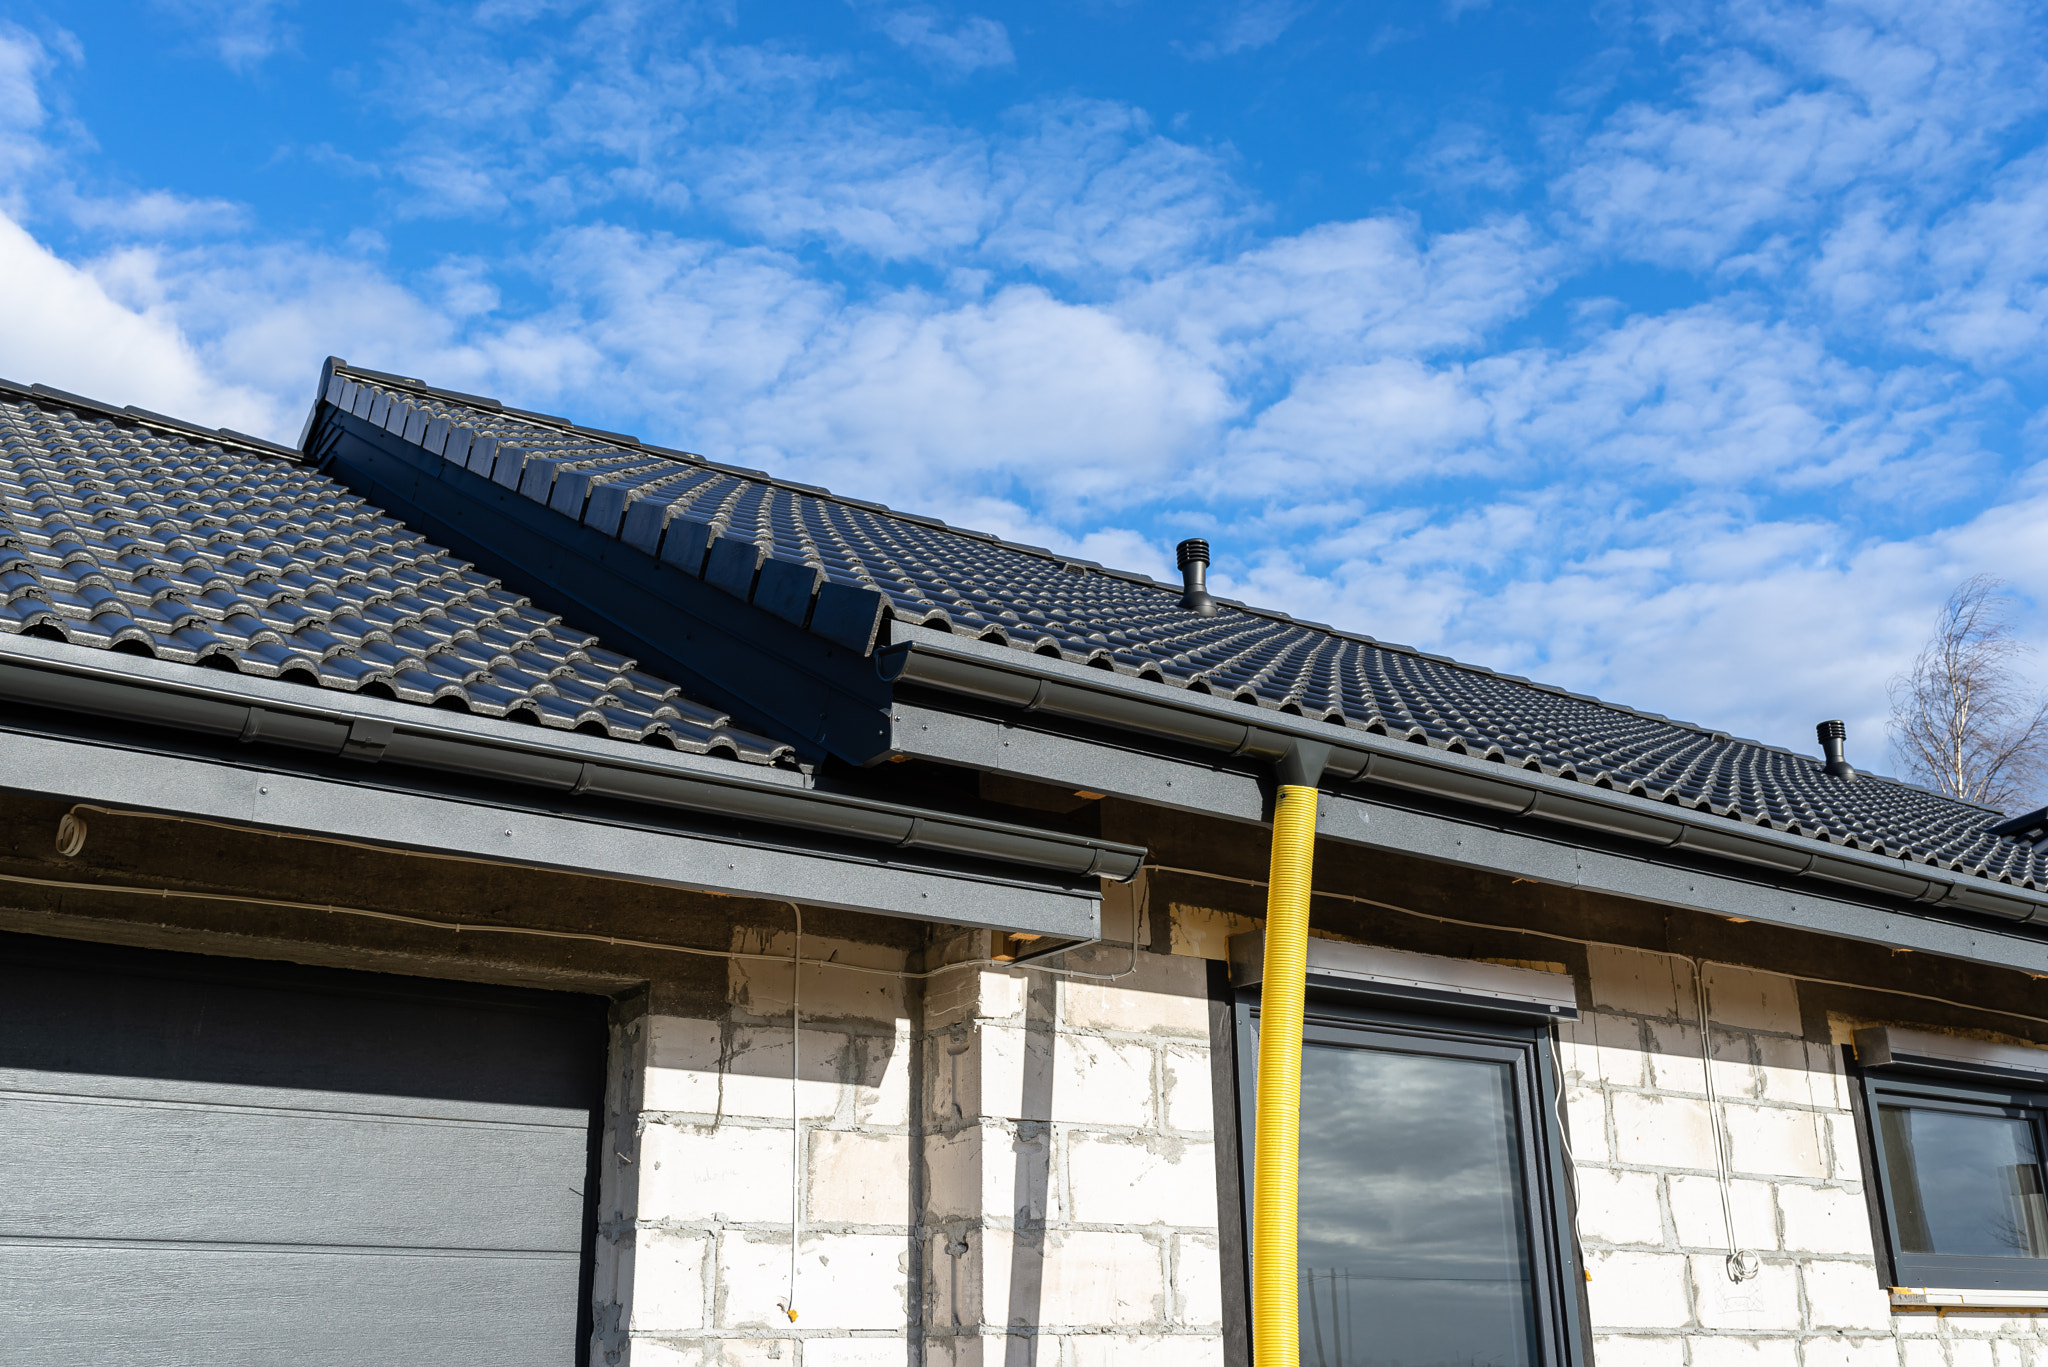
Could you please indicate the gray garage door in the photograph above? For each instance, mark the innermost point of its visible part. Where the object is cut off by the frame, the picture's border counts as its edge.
(219, 1161)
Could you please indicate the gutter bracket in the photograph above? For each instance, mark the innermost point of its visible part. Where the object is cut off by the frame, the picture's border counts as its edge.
(367, 739)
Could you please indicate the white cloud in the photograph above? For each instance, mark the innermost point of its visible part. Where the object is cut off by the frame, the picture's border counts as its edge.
(1249, 25)
(62, 328)
(241, 33)
(959, 46)
(1069, 327)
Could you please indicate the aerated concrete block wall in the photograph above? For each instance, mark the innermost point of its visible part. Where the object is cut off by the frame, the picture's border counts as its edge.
(998, 1167)
(1649, 1201)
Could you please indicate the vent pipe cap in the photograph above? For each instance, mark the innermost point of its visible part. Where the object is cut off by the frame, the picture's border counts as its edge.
(1192, 556)
(1834, 737)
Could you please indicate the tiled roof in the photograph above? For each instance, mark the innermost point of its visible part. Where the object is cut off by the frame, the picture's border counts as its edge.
(725, 523)
(152, 537)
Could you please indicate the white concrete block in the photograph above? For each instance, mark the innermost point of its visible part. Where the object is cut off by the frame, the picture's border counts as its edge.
(1636, 981)
(1619, 1207)
(1971, 1352)
(880, 1076)
(1701, 1223)
(844, 1281)
(1769, 1300)
(667, 1292)
(1825, 1220)
(1774, 1142)
(994, 1350)
(859, 1179)
(1743, 999)
(1744, 1352)
(1016, 1074)
(1168, 995)
(1834, 1350)
(1190, 1087)
(1661, 1131)
(1841, 1295)
(1845, 1148)
(1824, 1061)
(1785, 1069)
(1078, 1279)
(1637, 1290)
(1197, 1281)
(762, 988)
(1674, 1058)
(1164, 1350)
(1922, 1352)
(1149, 1180)
(723, 1172)
(857, 1352)
(1615, 1052)
(992, 1170)
(1586, 1119)
(694, 1067)
(657, 1352)
(1638, 1350)
(967, 994)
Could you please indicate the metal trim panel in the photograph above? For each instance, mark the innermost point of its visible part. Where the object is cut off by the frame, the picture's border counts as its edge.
(1405, 974)
(268, 799)
(1211, 787)
(1894, 1047)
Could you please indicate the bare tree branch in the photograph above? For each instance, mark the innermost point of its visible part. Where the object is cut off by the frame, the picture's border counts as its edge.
(1963, 723)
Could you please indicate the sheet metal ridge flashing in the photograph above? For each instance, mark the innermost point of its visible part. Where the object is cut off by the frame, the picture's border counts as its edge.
(143, 417)
(1036, 552)
(67, 677)
(1038, 683)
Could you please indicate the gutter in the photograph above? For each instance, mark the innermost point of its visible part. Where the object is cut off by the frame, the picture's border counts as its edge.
(71, 678)
(1031, 683)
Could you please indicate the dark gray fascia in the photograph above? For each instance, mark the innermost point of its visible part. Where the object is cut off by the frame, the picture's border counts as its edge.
(1056, 688)
(375, 731)
(1395, 822)
(248, 794)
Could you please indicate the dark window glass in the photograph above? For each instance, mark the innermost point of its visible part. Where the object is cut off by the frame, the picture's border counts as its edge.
(1414, 1213)
(1964, 1183)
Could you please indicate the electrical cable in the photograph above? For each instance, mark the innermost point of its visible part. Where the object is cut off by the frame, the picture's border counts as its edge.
(1741, 1265)
(796, 1134)
(617, 941)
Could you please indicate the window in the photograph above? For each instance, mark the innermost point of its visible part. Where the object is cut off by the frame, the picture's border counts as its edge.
(1431, 1189)
(1959, 1179)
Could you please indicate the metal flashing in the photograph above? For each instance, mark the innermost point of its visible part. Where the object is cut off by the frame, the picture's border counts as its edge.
(1038, 685)
(53, 675)
(251, 794)
(1419, 979)
(1891, 1047)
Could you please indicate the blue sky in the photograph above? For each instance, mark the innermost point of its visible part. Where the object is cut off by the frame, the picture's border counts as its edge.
(1683, 354)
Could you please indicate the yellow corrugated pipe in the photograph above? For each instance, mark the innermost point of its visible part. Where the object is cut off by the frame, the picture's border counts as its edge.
(1276, 1314)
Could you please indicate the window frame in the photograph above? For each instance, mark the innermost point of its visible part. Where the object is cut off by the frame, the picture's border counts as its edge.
(1352, 1018)
(1992, 1096)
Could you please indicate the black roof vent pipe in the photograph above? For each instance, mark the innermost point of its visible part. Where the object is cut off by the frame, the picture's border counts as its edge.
(1833, 737)
(1193, 556)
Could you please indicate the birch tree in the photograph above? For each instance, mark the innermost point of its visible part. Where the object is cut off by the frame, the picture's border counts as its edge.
(1964, 721)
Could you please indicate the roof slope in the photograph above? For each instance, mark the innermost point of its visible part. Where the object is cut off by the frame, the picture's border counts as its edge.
(145, 535)
(780, 543)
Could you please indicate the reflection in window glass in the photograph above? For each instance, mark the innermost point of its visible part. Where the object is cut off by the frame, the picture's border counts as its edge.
(1964, 1184)
(1414, 1231)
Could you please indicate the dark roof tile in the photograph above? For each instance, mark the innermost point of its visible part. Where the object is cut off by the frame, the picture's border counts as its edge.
(193, 547)
(682, 508)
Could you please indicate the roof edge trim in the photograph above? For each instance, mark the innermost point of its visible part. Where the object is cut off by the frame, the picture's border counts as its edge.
(51, 674)
(1031, 683)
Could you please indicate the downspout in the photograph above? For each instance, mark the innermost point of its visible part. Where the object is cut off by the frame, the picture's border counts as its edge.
(1276, 1160)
